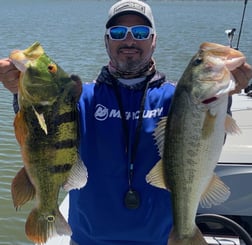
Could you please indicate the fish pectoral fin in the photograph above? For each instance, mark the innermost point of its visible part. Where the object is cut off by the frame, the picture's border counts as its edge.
(156, 177)
(22, 189)
(216, 193)
(41, 121)
(159, 135)
(230, 126)
(41, 226)
(77, 177)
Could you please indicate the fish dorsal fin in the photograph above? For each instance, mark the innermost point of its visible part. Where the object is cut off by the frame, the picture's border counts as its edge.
(215, 194)
(230, 126)
(159, 135)
(77, 177)
(156, 177)
(41, 120)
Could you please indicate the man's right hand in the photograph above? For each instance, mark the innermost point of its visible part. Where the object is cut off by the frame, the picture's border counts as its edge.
(9, 75)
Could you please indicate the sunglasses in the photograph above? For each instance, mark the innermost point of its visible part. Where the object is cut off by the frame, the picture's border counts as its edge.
(137, 32)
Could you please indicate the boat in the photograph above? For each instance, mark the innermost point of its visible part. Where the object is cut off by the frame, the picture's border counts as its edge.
(235, 169)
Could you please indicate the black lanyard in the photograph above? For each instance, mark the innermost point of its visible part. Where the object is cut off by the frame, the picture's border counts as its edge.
(133, 151)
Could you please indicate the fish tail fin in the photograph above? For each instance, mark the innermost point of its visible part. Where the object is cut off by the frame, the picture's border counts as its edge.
(22, 189)
(41, 226)
(196, 239)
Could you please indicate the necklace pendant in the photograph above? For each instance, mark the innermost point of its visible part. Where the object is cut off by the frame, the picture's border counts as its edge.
(132, 199)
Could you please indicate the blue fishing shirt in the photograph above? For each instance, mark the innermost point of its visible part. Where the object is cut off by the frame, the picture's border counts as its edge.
(97, 213)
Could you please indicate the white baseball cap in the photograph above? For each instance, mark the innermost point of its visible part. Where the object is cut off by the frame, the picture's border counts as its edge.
(131, 6)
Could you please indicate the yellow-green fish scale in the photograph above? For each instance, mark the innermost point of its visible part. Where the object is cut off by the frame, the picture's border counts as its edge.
(51, 156)
(66, 131)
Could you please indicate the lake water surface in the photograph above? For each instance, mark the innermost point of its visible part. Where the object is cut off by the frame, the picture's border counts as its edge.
(72, 32)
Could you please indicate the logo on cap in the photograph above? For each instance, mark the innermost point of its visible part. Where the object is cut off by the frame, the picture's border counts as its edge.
(130, 5)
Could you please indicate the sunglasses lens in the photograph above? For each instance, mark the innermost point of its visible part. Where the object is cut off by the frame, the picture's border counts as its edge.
(138, 32)
(141, 32)
(118, 32)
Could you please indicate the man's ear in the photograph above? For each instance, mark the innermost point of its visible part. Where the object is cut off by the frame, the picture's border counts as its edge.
(106, 38)
(154, 41)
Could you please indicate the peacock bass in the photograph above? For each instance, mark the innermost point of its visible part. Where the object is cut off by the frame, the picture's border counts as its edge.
(46, 128)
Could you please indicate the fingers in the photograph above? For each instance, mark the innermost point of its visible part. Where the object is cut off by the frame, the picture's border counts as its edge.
(9, 75)
(12, 86)
(242, 75)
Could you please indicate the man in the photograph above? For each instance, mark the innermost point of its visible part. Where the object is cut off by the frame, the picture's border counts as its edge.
(118, 115)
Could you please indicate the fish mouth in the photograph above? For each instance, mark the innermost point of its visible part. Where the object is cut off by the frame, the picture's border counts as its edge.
(220, 91)
(21, 58)
(210, 100)
(31, 86)
(217, 80)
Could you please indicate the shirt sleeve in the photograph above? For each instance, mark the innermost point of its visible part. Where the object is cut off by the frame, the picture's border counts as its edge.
(15, 103)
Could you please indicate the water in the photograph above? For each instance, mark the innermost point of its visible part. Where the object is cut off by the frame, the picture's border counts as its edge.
(72, 33)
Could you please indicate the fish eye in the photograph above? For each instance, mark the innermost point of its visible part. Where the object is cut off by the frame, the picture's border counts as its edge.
(197, 61)
(52, 68)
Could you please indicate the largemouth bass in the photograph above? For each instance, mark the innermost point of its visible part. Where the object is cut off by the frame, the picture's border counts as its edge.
(46, 127)
(190, 139)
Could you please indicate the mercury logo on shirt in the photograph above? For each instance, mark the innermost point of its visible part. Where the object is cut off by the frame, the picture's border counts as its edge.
(102, 113)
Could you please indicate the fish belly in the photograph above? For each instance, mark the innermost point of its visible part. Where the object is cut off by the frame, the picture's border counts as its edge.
(191, 152)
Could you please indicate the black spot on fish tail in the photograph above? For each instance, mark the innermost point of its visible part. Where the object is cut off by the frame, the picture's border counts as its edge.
(62, 168)
(64, 144)
(50, 218)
